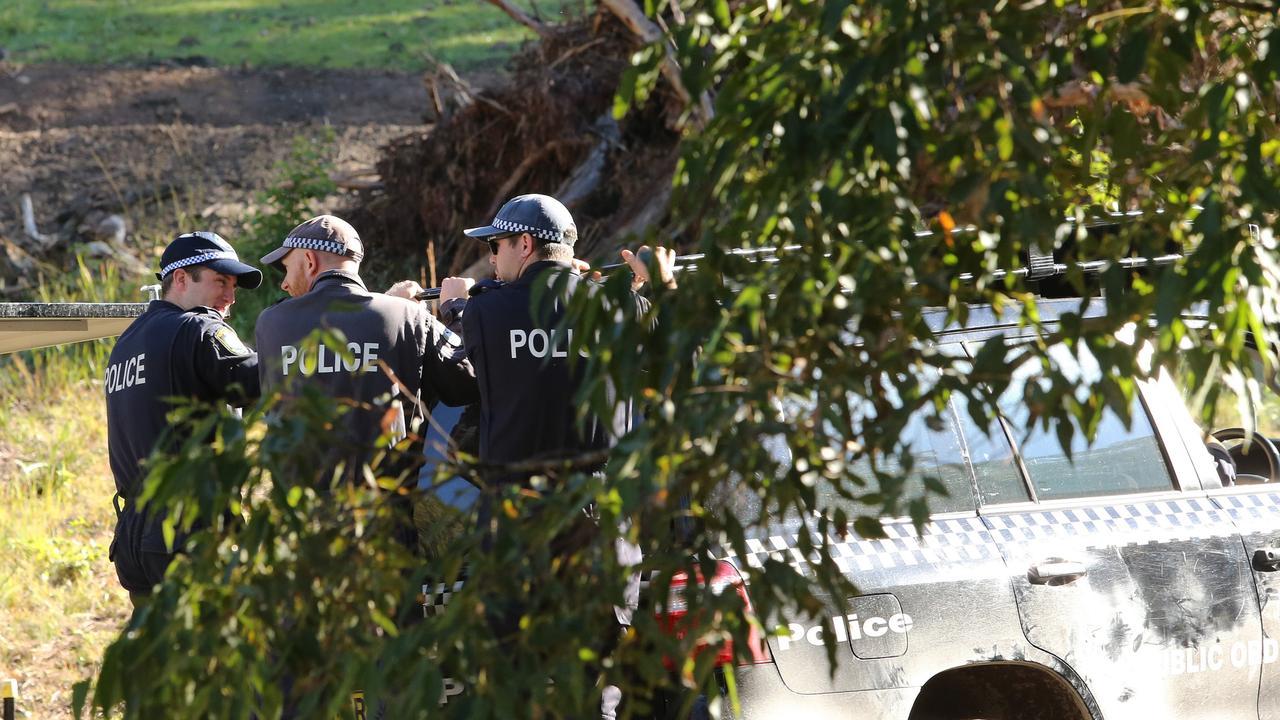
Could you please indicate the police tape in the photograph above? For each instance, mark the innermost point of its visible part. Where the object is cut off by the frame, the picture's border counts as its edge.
(9, 696)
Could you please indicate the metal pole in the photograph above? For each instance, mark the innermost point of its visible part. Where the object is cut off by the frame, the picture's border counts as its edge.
(1045, 268)
(692, 259)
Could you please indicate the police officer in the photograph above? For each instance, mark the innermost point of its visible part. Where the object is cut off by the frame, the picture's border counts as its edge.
(520, 353)
(321, 263)
(180, 347)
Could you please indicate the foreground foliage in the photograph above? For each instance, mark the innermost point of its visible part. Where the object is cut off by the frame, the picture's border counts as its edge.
(839, 130)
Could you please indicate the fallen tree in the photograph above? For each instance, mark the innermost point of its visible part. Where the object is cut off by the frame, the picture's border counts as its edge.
(549, 128)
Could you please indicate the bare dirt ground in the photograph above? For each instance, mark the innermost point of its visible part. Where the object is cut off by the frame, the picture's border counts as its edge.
(167, 144)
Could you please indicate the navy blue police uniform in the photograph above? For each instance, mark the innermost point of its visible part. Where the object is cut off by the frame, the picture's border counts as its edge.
(520, 351)
(527, 383)
(425, 357)
(168, 353)
(382, 333)
(380, 330)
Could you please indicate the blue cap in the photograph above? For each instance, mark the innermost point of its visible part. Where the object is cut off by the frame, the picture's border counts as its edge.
(209, 250)
(542, 216)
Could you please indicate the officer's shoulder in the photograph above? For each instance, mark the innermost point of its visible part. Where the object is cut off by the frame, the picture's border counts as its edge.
(204, 319)
(394, 300)
(205, 314)
(489, 291)
(208, 325)
(388, 305)
(271, 312)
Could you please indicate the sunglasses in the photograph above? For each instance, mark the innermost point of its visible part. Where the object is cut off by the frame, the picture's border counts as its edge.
(493, 241)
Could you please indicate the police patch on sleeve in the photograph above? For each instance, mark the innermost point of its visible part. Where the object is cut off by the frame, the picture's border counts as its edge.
(229, 342)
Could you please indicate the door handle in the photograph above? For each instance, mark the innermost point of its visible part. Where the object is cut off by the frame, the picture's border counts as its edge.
(1266, 559)
(1056, 571)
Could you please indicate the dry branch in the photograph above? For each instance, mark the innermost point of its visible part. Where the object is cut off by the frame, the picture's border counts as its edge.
(362, 179)
(649, 32)
(589, 173)
(522, 17)
(29, 224)
(529, 162)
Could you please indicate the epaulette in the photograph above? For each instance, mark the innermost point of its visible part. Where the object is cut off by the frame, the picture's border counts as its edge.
(207, 313)
(485, 286)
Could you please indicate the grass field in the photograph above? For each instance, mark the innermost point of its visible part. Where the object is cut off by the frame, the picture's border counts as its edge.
(60, 603)
(395, 34)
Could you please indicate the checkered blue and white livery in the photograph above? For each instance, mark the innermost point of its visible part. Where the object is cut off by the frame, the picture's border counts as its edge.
(1254, 512)
(1111, 526)
(979, 540)
(436, 596)
(951, 540)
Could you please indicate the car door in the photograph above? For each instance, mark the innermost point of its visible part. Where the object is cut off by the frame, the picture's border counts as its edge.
(1140, 587)
(1252, 501)
(927, 602)
(1255, 509)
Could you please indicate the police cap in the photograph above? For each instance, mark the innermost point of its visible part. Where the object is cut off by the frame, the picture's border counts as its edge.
(542, 216)
(324, 233)
(207, 249)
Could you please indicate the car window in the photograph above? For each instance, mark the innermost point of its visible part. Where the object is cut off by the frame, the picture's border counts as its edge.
(935, 452)
(1234, 408)
(1120, 460)
(994, 466)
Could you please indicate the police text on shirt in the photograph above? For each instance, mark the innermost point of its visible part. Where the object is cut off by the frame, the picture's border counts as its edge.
(539, 343)
(322, 360)
(126, 374)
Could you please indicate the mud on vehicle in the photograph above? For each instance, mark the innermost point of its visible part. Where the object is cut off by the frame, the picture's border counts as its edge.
(1130, 578)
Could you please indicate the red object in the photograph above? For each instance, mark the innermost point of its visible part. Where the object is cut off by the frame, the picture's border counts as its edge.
(676, 618)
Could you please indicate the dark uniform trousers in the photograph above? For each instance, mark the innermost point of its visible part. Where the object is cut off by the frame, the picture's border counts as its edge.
(167, 352)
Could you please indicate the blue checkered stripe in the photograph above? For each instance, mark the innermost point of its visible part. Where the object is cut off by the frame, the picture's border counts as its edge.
(435, 597)
(508, 226)
(328, 246)
(1108, 526)
(953, 540)
(1255, 512)
(196, 260)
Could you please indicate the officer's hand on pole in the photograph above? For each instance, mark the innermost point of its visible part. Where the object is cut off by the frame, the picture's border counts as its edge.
(664, 261)
(406, 289)
(455, 287)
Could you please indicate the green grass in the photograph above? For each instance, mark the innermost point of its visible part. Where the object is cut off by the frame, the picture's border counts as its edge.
(60, 603)
(395, 34)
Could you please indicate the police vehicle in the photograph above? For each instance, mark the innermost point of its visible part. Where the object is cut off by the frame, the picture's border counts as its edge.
(1131, 579)
(1128, 581)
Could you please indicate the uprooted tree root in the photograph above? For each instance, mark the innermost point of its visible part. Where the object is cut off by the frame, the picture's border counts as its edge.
(547, 129)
